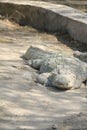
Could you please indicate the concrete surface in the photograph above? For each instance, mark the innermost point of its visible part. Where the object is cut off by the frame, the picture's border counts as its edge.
(48, 17)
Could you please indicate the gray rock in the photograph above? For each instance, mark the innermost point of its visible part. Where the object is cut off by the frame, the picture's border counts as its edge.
(57, 69)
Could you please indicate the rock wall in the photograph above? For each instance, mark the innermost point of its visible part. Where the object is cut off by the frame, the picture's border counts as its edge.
(48, 17)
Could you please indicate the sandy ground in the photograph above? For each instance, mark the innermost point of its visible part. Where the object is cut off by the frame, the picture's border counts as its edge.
(25, 104)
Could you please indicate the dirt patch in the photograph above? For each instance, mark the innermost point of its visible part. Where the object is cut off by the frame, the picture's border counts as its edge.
(75, 122)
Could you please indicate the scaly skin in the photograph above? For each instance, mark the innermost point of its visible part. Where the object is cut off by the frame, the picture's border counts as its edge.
(81, 55)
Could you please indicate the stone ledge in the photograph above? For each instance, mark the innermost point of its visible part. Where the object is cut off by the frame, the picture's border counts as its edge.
(48, 17)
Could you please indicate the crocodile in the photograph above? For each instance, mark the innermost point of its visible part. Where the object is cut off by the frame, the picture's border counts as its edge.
(58, 69)
(81, 55)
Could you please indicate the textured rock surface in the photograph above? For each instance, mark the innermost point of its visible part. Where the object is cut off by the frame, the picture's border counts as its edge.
(57, 69)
